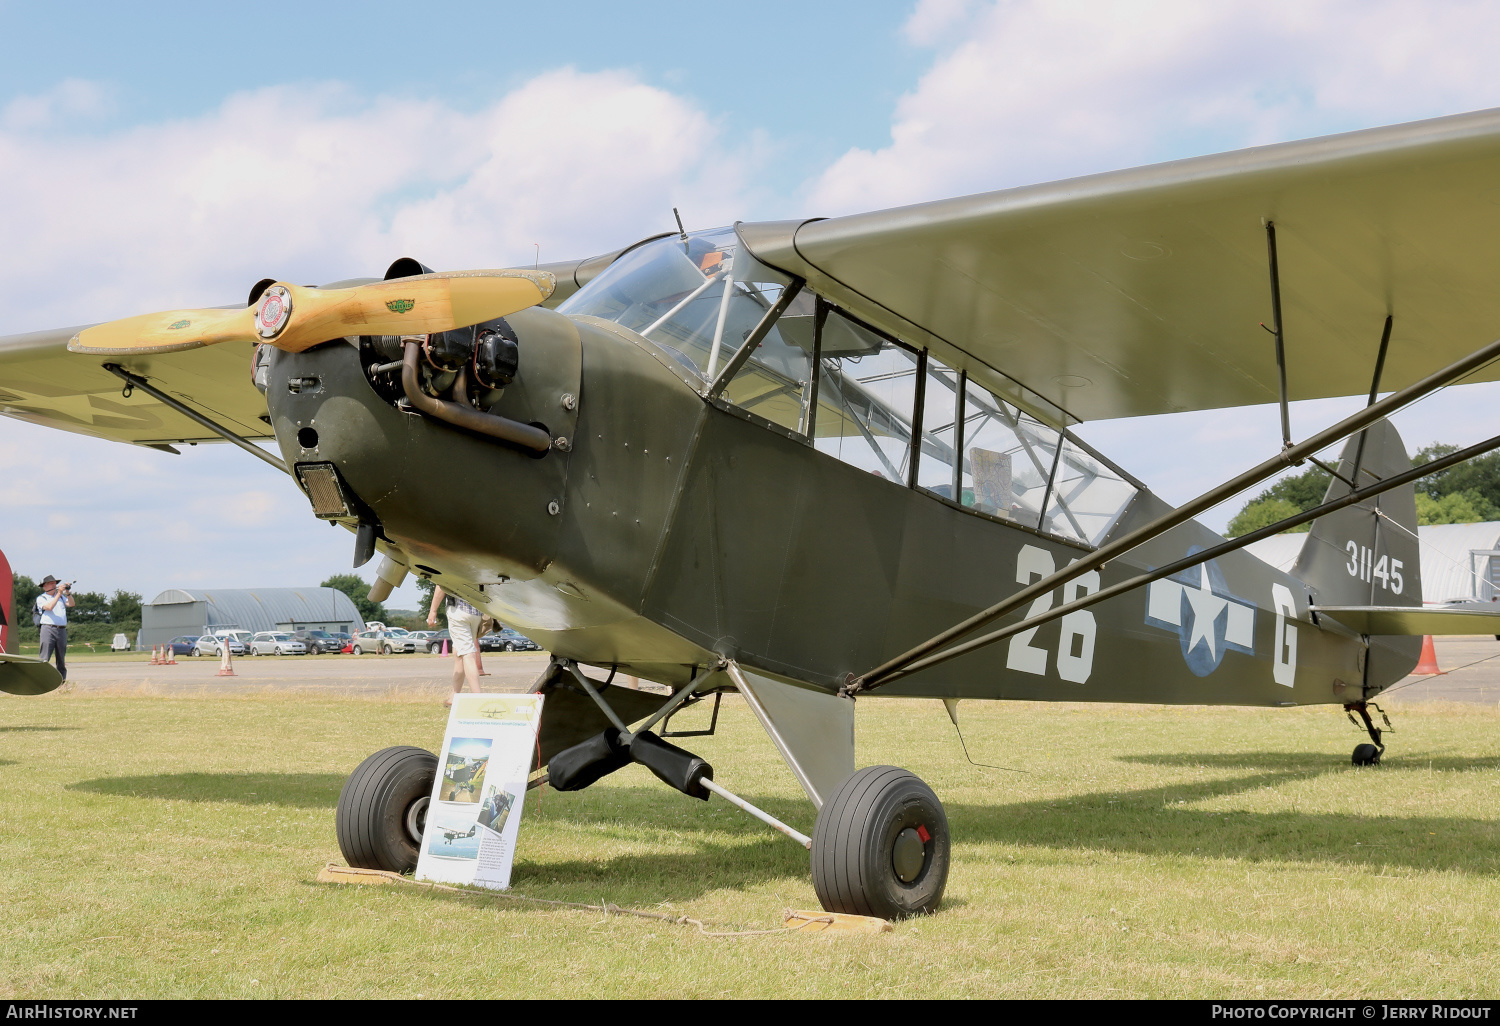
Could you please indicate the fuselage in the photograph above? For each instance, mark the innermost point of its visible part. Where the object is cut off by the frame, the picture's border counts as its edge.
(667, 531)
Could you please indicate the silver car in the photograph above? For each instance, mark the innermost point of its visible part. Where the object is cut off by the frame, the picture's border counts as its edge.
(276, 643)
(208, 645)
(383, 642)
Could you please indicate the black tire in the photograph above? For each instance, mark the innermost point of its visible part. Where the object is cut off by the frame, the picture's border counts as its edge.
(1366, 755)
(509, 647)
(855, 843)
(383, 808)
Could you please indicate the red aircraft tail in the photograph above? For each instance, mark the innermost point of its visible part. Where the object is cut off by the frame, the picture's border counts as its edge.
(7, 599)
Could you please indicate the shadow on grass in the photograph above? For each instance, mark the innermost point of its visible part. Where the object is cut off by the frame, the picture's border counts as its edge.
(6, 730)
(1313, 763)
(1156, 821)
(298, 790)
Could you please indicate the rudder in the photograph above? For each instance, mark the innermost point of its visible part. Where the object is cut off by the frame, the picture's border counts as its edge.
(1367, 554)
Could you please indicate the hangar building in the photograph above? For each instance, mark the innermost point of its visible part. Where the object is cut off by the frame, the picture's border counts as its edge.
(1459, 561)
(179, 611)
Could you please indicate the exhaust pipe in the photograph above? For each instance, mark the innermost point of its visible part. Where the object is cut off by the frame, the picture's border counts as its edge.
(503, 428)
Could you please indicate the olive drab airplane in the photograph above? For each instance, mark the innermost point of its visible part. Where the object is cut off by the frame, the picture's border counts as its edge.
(807, 461)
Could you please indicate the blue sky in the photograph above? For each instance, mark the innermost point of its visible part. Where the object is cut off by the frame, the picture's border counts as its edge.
(173, 153)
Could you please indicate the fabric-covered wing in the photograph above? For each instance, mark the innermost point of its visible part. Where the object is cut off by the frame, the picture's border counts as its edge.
(1143, 291)
(41, 382)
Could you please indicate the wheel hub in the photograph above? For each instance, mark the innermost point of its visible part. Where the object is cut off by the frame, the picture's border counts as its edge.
(416, 819)
(908, 855)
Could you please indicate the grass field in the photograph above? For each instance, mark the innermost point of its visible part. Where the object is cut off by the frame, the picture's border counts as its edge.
(167, 848)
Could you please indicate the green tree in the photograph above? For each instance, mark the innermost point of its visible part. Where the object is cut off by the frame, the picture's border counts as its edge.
(355, 587)
(25, 591)
(1260, 513)
(1480, 476)
(89, 607)
(1287, 497)
(125, 607)
(1466, 507)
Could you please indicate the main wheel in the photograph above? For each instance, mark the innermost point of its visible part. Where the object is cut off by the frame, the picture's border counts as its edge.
(881, 846)
(383, 809)
(1366, 755)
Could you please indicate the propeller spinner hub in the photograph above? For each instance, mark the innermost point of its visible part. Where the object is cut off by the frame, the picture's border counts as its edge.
(273, 311)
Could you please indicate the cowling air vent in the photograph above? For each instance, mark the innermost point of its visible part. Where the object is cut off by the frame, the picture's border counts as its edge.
(321, 482)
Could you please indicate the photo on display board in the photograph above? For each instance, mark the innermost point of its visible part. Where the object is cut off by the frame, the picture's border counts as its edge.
(451, 834)
(464, 769)
(495, 809)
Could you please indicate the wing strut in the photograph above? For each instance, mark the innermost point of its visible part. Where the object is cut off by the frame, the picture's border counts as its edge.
(1289, 457)
(1186, 563)
(1385, 341)
(1286, 417)
(136, 381)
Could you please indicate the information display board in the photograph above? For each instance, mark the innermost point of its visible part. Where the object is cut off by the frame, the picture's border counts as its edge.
(475, 812)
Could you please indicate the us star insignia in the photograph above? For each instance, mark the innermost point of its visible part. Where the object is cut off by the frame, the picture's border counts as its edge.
(1208, 620)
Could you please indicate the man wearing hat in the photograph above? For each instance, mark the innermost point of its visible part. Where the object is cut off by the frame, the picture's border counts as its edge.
(52, 607)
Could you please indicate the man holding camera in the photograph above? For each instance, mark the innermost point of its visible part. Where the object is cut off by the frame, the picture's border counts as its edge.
(52, 607)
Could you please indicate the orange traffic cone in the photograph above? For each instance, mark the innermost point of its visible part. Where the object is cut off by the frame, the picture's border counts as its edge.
(226, 666)
(171, 656)
(1427, 665)
(155, 660)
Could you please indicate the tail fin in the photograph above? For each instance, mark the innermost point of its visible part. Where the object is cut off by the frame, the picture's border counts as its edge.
(1367, 554)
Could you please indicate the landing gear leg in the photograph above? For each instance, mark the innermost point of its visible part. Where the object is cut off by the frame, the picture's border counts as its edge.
(1367, 755)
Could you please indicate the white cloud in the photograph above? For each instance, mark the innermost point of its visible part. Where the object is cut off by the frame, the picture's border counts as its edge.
(315, 184)
(309, 184)
(1031, 91)
(70, 99)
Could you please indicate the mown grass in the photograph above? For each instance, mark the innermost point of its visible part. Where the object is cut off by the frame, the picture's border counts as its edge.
(159, 847)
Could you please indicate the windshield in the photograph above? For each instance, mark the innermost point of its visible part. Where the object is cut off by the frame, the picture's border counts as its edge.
(698, 297)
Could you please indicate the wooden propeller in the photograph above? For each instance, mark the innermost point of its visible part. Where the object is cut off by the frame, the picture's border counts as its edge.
(296, 317)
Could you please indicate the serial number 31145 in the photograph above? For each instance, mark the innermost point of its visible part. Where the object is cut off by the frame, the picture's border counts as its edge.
(1363, 565)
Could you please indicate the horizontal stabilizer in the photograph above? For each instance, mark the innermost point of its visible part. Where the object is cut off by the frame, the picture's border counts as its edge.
(24, 675)
(1414, 620)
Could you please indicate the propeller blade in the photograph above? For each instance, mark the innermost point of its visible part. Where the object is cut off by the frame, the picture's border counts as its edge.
(404, 306)
(166, 332)
(297, 317)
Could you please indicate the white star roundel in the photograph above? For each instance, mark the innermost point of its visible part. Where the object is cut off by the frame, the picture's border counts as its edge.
(1208, 620)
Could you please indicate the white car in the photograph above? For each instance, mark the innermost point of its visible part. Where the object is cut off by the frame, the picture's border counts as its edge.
(276, 643)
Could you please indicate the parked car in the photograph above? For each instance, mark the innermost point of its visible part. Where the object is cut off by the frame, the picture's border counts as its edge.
(507, 640)
(436, 640)
(210, 645)
(319, 642)
(276, 643)
(184, 645)
(383, 642)
(421, 636)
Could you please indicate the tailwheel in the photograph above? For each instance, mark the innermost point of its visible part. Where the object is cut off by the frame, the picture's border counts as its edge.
(383, 809)
(1367, 754)
(881, 846)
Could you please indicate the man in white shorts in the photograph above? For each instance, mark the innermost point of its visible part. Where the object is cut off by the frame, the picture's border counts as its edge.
(463, 629)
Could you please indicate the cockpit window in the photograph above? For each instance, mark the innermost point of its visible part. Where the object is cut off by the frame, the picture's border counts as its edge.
(685, 295)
